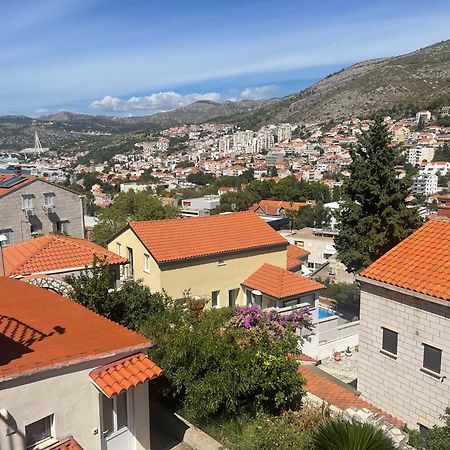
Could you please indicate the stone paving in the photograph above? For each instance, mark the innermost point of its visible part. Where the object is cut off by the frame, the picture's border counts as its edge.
(345, 370)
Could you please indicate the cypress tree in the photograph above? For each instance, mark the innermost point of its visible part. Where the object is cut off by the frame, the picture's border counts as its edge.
(373, 216)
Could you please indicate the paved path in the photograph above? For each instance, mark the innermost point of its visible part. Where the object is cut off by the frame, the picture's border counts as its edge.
(166, 430)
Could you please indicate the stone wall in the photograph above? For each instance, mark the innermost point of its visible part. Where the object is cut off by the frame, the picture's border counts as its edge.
(398, 385)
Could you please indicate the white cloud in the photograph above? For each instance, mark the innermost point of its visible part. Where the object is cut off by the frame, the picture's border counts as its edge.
(162, 101)
(258, 93)
(41, 111)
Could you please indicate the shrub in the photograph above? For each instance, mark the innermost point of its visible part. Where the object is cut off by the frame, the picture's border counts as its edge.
(218, 368)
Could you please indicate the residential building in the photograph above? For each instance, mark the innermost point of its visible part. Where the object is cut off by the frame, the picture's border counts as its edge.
(404, 350)
(423, 115)
(417, 155)
(68, 375)
(47, 260)
(272, 158)
(319, 244)
(425, 184)
(208, 256)
(200, 206)
(445, 111)
(30, 206)
(284, 132)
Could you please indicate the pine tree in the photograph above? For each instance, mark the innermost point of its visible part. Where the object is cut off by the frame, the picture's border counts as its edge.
(373, 217)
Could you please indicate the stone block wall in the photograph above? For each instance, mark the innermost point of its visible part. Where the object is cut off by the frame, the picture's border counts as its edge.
(398, 385)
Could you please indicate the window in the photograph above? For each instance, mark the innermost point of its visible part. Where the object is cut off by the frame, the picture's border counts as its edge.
(300, 244)
(215, 298)
(232, 296)
(310, 265)
(327, 255)
(49, 199)
(119, 249)
(423, 431)
(27, 201)
(8, 235)
(39, 431)
(432, 357)
(146, 262)
(62, 226)
(390, 341)
(114, 414)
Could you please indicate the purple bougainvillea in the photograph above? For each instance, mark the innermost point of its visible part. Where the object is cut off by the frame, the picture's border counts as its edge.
(252, 318)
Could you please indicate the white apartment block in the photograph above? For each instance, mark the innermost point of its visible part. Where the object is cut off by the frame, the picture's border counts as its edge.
(404, 333)
(424, 115)
(425, 184)
(417, 155)
(432, 168)
(284, 132)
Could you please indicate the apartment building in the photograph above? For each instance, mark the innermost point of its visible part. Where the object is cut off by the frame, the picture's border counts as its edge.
(30, 206)
(210, 257)
(417, 155)
(69, 378)
(425, 184)
(404, 350)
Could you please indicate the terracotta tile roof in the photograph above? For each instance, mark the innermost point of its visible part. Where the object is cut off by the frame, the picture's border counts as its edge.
(177, 239)
(26, 179)
(128, 372)
(420, 263)
(54, 252)
(295, 255)
(40, 330)
(331, 391)
(66, 444)
(272, 207)
(280, 283)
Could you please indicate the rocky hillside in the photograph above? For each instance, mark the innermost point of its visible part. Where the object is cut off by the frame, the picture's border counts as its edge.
(416, 80)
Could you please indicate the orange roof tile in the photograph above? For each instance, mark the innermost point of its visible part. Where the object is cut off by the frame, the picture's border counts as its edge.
(26, 180)
(66, 444)
(54, 252)
(177, 239)
(322, 385)
(420, 263)
(119, 376)
(40, 329)
(294, 256)
(272, 207)
(280, 283)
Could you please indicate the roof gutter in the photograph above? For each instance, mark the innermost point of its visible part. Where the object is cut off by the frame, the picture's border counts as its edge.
(123, 352)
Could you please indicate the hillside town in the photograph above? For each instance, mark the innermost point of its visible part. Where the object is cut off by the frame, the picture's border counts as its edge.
(241, 238)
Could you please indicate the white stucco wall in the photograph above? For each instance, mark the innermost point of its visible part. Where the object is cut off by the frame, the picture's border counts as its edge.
(71, 397)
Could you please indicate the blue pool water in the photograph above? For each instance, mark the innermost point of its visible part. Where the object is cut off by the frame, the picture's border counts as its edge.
(324, 312)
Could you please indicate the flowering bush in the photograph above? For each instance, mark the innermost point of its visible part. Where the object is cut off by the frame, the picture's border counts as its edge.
(253, 319)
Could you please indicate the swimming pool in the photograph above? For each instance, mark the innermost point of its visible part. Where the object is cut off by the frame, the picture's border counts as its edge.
(325, 312)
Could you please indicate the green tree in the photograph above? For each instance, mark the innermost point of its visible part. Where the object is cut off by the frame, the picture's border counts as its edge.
(130, 206)
(236, 201)
(130, 306)
(343, 435)
(311, 216)
(217, 368)
(438, 438)
(373, 216)
(201, 178)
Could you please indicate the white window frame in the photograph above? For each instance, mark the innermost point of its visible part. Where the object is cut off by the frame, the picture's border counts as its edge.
(119, 248)
(27, 201)
(49, 199)
(217, 299)
(64, 226)
(8, 233)
(50, 439)
(146, 262)
(130, 417)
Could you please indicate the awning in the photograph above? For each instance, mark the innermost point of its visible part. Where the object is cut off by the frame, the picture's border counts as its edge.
(124, 374)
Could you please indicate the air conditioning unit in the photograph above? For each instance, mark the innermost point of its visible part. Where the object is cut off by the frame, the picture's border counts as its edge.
(28, 212)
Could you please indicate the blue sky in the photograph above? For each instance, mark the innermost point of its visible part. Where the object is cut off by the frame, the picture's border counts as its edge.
(133, 57)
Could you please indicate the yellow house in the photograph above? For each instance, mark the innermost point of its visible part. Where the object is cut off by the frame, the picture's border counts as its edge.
(210, 256)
